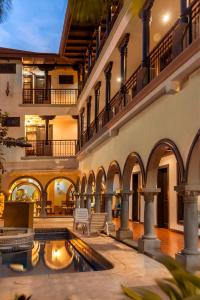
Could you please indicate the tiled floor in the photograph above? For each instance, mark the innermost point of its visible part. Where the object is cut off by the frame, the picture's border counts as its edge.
(171, 241)
(130, 269)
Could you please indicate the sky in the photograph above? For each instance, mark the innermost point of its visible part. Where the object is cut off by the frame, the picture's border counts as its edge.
(34, 25)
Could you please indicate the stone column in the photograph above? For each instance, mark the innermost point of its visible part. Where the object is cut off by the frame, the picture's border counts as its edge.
(88, 116)
(43, 212)
(88, 202)
(77, 197)
(124, 232)
(97, 202)
(82, 197)
(149, 241)
(89, 58)
(190, 255)
(108, 199)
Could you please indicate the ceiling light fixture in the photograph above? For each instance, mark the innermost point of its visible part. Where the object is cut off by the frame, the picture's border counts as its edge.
(166, 18)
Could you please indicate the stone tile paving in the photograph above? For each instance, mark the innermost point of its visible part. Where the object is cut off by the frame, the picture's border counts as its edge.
(130, 268)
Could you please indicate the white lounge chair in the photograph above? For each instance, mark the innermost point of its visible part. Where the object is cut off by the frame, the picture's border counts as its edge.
(81, 216)
(96, 224)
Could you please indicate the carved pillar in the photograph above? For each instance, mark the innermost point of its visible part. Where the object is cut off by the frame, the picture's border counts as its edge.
(77, 200)
(124, 232)
(123, 48)
(97, 202)
(82, 198)
(43, 212)
(98, 40)
(96, 104)
(108, 74)
(108, 199)
(183, 12)
(149, 240)
(190, 255)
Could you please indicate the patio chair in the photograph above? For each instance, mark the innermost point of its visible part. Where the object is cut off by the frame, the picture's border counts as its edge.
(81, 216)
(97, 224)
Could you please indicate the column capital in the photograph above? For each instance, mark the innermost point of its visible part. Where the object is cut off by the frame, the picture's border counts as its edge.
(123, 43)
(97, 86)
(108, 68)
(188, 190)
(149, 191)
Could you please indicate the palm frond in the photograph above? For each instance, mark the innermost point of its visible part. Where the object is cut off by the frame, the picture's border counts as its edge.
(5, 7)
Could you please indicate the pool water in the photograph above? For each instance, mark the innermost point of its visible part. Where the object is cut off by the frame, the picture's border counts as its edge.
(53, 252)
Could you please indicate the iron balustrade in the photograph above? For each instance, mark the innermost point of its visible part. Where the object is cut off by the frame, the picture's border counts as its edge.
(160, 57)
(115, 12)
(50, 96)
(53, 148)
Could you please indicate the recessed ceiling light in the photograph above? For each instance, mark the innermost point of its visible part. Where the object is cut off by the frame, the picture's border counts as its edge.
(119, 79)
(166, 18)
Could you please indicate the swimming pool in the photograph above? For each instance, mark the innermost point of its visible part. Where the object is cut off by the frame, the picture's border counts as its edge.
(54, 251)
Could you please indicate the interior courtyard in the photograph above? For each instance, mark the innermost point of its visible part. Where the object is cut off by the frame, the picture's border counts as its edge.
(106, 127)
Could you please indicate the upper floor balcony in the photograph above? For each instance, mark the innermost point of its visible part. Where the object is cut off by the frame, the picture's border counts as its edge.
(175, 48)
(50, 96)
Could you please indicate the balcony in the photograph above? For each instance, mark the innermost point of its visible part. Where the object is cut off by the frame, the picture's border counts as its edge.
(168, 49)
(51, 148)
(50, 96)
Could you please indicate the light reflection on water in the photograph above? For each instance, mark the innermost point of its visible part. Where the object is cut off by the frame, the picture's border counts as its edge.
(45, 257)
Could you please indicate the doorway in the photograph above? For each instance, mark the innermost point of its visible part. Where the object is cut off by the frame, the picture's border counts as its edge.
(135, 197)
(162, 198)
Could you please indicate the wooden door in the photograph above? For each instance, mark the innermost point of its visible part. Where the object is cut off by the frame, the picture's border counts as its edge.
(42, 148)
(135, 197)
(162, 199)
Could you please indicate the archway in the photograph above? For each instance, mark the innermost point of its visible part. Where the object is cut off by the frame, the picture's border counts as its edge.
(133, 179)
(100, 190)
(113, 188)
(60, 197)
(193, 168)
(26, 189)
(90, 191)
(165, 170)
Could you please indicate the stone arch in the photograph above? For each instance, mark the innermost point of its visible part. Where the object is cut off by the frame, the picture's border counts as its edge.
(113, 169)
(58, 177)
(99, 179)
(193, 162)
(132, 159)
(91, 181)
(158, 151)
(26, 177)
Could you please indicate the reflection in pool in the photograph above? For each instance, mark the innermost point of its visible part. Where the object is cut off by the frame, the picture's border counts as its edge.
(45, 257)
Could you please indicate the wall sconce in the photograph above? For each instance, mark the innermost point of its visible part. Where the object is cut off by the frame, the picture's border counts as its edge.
(7, 89)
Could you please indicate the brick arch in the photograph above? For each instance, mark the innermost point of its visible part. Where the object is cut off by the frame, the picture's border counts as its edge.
(113, 169)
(91, 180)
(132, 159)
(58, 177)
(193, 162)
(155, 156)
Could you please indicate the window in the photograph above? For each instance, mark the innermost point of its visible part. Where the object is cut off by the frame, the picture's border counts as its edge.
(11, 122)
(66, 79)
(7, 68)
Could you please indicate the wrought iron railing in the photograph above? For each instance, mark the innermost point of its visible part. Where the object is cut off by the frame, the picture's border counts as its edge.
(178, 38)
(54, 148)
(50, 96)
(115, 12)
